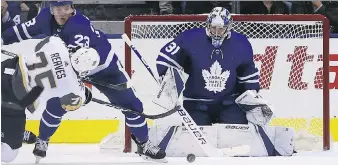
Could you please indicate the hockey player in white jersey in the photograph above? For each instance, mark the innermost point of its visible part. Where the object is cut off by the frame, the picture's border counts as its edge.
(50, 65)
(223, 83)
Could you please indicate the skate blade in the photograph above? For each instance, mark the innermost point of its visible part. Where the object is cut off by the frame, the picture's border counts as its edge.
(37, 159)
(147, 158)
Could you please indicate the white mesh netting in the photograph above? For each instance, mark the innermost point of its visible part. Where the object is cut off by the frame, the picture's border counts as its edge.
(252, 29)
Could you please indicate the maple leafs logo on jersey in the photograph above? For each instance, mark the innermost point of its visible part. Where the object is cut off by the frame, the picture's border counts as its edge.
(215, 80)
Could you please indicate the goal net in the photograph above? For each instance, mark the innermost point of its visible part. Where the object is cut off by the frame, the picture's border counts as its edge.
(291, 52)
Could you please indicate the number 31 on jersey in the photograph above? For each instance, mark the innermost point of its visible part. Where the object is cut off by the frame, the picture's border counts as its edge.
(172, 48)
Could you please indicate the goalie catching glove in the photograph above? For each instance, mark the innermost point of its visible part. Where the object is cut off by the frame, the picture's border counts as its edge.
(257, 110)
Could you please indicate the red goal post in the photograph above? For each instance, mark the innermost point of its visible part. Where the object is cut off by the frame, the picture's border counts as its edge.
(315, 27)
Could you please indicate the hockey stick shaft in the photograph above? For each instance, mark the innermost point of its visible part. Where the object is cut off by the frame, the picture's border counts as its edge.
(158, 116)
(93, 81)
(132, 46)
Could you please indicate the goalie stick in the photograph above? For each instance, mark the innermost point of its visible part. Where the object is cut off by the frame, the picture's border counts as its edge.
(28, 99)
(132, 46)
(157, 116)
(191, 125)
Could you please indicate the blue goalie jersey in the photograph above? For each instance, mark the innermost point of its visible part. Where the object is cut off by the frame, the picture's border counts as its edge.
(214, 74)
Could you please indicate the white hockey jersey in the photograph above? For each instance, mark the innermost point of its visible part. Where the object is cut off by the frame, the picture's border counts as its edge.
(49, 66)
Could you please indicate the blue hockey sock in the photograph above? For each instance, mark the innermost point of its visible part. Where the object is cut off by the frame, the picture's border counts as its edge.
(138, 127)
(49, 123)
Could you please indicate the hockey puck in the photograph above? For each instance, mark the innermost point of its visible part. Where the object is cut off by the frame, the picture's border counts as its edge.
(191, 158)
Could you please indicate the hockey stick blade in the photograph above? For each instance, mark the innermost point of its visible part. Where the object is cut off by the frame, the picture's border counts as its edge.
(28, 99)
(92, 81)
(157, 116)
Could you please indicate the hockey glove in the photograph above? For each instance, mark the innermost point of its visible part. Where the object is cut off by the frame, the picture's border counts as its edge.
(257, 110)
(88, 93)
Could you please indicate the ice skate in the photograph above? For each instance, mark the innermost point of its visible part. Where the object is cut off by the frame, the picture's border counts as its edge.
(148, 151)
(40, 150)
(29, 137)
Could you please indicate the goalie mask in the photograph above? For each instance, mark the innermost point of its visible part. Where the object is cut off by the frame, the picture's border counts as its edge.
(219, 25)
(84, 60)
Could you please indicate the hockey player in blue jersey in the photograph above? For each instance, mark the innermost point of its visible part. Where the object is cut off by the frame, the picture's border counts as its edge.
(62, 20)
(219, 62)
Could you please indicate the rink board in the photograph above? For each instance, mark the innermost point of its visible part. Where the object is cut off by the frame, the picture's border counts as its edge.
(93, 122)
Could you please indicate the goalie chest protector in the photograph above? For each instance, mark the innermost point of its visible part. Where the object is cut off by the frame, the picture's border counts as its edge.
(213, 72)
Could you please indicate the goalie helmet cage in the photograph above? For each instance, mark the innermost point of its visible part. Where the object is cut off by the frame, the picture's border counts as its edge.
(167, 27)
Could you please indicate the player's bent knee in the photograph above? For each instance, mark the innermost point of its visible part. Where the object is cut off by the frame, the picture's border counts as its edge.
(135, 105)
(7, 153)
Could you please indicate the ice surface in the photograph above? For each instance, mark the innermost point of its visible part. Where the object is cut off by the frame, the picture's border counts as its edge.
(80, 154)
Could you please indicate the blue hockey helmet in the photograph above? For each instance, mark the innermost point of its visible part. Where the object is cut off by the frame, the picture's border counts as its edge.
(58, 4)
(219, 25)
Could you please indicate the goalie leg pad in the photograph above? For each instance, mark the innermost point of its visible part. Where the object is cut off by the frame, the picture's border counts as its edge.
(232, 135)
(177, 140)
(283, 139)
(269, 146)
